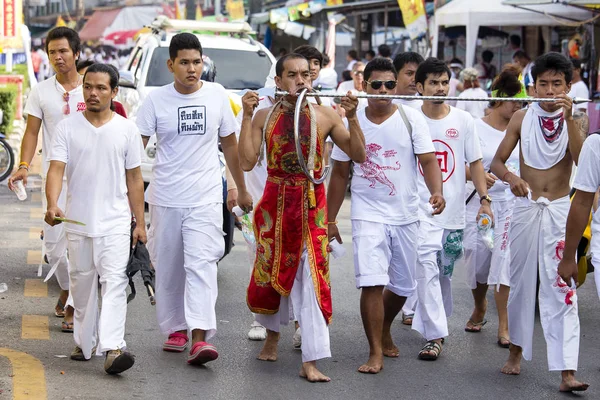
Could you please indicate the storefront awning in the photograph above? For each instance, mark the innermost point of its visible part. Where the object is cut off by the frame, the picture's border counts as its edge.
(97, 24)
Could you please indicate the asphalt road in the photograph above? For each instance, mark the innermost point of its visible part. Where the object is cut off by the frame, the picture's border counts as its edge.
(468, 368)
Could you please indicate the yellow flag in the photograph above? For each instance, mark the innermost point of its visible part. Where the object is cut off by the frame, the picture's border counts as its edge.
(60, 21)
(411, 10)
(198, 11)
(335, 2)
(235, 8)
(179, 12)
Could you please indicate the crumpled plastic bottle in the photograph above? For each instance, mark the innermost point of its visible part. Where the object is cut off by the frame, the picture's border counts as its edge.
(3, 287)
(484, 227)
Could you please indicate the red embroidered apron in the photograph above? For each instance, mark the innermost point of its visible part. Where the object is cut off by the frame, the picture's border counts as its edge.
(284, 222)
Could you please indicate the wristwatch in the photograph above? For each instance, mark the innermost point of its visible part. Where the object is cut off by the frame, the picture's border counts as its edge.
(486, 197)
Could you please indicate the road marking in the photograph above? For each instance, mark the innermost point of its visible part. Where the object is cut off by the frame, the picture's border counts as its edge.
(36, 213)
(36, 197)
(28, 377)
(34, 233)
(35, 327)
(35, 288)
(34, 257)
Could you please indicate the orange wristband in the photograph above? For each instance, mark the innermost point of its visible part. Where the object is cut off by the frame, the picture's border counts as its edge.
(504, 176)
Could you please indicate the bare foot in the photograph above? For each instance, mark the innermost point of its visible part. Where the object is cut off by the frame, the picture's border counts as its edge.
(513, 364)
(269, 350)
(373, 366)
(69, 311)
(310, 372)
(570, 384)
(389, 348)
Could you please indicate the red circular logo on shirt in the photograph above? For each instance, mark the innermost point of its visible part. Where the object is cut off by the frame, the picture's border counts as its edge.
(452, 133)
(445, 157)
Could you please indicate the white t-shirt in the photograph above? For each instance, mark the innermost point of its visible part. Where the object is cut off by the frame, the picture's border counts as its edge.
(96, 161)
(587, 179)
(47, 103)
(579, 89)
(489, 141)
(416, 104)
(349, 86)
(256, 178)
(475, 108)
(456, 142)
(384, 187)
(186, 170)
(328, 79)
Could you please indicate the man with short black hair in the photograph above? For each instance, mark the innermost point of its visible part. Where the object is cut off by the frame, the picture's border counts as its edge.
(101, 153)
(384, 51)
(385, 204)
(440, 236)
(292, 257)
(406, 64)
(550, 137)
(188, 117)
(49, 103)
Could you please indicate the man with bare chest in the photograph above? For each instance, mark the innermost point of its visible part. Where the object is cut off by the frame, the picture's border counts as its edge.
(550, 137)
(290, 220)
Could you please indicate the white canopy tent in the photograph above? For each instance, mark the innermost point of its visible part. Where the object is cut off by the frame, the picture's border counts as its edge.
(475, 13)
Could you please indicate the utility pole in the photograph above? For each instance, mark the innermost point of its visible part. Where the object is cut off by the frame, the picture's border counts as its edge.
(79, 9)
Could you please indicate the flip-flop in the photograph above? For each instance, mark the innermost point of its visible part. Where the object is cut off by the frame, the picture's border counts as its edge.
(59, 314)
(475, 325)
(501, 343)
(407, 319)
(67, 327)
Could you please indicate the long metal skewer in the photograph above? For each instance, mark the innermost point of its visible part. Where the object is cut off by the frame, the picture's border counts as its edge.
(576, 100)
(301, 161)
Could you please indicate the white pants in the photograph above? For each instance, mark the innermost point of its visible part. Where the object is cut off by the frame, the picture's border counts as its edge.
(186, 244)
(437, 251)
(106, 257)
(482, 265)
(55, 242)
(314, 330)
(537, 237)
(385, 255)
(411, 304)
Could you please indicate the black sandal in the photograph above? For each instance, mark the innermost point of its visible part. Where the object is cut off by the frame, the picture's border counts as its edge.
(431, 346)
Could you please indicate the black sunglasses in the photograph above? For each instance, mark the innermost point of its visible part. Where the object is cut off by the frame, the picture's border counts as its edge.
(377, 84)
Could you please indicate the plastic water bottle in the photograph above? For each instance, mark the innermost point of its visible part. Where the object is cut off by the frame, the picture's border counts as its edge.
(484, 227)
(237, 210)
(3, 287)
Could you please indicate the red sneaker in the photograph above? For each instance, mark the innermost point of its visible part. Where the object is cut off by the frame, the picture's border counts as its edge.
(201, 353)
(177, 342)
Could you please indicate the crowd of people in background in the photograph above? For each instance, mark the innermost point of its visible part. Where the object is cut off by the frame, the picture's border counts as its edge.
(409, 225)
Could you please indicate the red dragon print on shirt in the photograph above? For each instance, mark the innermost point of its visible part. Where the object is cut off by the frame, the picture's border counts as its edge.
(375, 173)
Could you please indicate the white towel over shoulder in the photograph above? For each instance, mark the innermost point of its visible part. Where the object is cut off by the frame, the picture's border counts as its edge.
(544, 137)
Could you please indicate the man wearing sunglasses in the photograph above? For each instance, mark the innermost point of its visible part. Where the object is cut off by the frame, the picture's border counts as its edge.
(49, 103)
(440, 236)
(385, 204)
